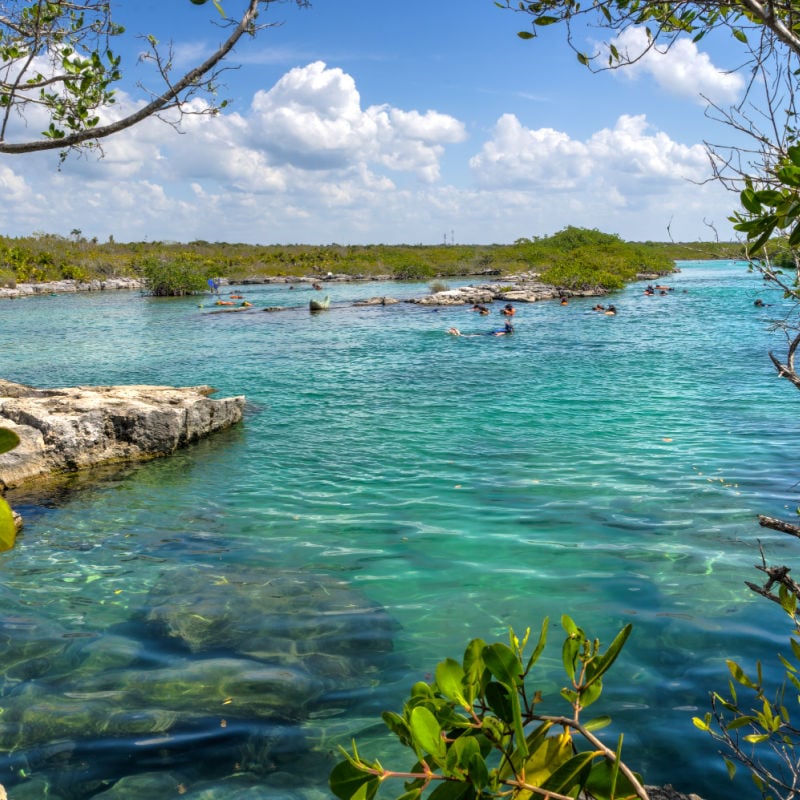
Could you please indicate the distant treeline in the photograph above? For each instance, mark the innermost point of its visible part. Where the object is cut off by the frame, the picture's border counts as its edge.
(571, 258)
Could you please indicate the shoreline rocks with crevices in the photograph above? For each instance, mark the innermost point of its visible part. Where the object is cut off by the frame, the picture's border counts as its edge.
(68, 287)
(68, 429)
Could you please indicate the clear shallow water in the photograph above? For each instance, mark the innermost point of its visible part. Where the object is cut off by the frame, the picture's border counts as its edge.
(607, 467)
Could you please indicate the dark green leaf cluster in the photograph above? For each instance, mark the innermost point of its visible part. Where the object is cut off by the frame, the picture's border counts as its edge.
(775, 208)
(8, 526)
(72, 39)
(579, 258)
(663, 22)
(181, 275)
(475, 732)
(754, 722)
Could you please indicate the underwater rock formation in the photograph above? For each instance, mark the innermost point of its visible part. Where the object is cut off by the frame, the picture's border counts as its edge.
(217, 673)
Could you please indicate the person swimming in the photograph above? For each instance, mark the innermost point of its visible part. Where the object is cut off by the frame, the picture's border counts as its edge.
(506, 330)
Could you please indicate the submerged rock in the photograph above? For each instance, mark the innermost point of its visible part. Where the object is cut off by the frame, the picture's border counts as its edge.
(218, 672)
(312, 623)
(62, 430)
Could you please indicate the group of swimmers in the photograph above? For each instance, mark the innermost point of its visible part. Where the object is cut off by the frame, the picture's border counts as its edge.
(651, 290)
(243, 304)
(508, 311)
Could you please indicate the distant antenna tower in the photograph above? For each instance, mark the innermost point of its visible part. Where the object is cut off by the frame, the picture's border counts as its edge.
(452, 237)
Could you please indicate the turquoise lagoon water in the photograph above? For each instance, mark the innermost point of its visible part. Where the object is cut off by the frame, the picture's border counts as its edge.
(611, 468)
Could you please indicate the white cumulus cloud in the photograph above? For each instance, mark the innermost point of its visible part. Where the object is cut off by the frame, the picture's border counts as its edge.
(682, 70)
(547, 160)
(313, 119)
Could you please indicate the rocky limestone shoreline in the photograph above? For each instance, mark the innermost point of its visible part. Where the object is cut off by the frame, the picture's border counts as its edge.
(64, 430)
(67, 286)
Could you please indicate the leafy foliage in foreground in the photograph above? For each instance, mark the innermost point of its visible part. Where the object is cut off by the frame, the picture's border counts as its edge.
(753, 723)
(475, 732)
(8, 529)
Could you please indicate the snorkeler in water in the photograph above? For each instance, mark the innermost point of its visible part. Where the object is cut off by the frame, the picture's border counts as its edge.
(506, 330)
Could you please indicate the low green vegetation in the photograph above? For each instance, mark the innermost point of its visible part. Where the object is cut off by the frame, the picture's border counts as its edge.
(577, 258)
(176, 274)
(572, 258)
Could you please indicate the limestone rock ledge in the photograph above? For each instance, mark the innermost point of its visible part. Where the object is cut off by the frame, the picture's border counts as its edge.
(63, 430)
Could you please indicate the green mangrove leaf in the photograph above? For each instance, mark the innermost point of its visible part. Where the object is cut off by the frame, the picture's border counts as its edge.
(498, 697)
(789, 668)
(598, 723)
(519, 726)
(589, 693)
(570, 696)
(703, 724)
(462, 750)
(8, 440)
(8, 528)
(569, 655)
(504, 664)
(452, 790)
(478, 772)
(739, 675)
(787, 598)
(606, 783)
(422, 689)
(397, 725)
(449, 680)
(427, 733)
(750, 201)
(740, 722)
(546, 759)
(534, 741)
(474, 669)
(348, 782)
(602, 664)
(570, 627)
(571, 775)
(539, 645)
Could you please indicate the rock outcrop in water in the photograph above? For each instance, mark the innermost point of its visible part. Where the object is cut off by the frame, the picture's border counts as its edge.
(63, 430)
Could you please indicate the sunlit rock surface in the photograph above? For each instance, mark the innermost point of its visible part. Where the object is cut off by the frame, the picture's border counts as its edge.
(63, 430)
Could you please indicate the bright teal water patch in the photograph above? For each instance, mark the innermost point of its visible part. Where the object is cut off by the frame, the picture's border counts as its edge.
(607, 467)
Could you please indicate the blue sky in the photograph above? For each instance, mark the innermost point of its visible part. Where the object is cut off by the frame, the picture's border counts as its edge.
(375, 122)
